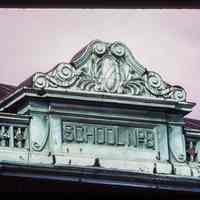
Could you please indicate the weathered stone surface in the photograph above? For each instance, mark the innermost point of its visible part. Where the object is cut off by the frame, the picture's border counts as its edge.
(163, 168)
(74, 160)
(182, 169)
(141, 166)
(40, 158)
(14, 155)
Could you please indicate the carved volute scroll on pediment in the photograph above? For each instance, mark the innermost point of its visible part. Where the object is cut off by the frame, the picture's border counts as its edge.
(109, 68)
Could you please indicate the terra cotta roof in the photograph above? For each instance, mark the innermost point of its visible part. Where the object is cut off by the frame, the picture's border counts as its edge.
(192, 123)
(5, 90)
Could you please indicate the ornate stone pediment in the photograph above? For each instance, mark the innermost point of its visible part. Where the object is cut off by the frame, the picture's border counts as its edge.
(109, 68)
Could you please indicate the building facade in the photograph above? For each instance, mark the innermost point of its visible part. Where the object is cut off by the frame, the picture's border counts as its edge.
(101, 120)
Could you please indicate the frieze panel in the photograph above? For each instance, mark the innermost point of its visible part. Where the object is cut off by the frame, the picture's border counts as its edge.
(108, 135)
(109, 68)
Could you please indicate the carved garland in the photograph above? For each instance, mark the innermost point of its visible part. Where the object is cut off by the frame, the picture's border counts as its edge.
(104, 67)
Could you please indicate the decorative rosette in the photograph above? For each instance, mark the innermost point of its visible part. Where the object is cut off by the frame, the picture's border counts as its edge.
(117, 49)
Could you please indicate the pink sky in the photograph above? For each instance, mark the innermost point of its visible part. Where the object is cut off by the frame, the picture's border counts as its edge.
(165, 41)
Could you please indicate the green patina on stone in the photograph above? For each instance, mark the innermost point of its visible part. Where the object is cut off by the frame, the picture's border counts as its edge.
(103, 109)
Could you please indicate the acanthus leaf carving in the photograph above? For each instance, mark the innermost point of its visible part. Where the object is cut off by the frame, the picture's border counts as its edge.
(110, 68)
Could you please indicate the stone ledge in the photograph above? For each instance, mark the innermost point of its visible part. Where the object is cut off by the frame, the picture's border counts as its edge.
(102, 176)
(181, 169)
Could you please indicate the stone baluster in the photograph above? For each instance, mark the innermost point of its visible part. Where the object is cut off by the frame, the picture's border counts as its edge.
(191, 151)
(4, 136)
(25, 137)
(11, 130)
(1, 136)
(19, 137)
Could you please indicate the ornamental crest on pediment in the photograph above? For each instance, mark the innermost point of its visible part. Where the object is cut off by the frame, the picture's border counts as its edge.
(109, 68)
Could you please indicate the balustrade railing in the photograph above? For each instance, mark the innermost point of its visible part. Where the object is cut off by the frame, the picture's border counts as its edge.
(14, 131)
(13, 136)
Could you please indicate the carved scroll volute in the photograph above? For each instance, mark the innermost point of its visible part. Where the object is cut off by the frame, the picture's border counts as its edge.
(63, 76)
(157, 87)
(177, 143)
(39, 131)
(179, 93)
(40, 81)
